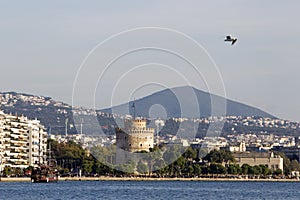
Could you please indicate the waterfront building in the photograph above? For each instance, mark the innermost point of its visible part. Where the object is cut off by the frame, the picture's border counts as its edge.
(259, 158)
(37, 143)
(23, 141)
(134, 137)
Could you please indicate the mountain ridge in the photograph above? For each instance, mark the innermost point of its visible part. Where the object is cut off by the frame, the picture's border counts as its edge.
(54, 114)
(167, 99)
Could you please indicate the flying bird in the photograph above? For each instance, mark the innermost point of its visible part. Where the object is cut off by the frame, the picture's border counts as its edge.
(230, 39)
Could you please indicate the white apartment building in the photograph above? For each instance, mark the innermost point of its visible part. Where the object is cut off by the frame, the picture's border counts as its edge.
(23, 142)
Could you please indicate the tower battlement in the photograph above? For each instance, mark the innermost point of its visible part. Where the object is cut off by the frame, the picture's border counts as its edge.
(135, 136)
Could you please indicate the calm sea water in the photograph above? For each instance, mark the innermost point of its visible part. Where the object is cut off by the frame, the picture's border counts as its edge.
(150, 190)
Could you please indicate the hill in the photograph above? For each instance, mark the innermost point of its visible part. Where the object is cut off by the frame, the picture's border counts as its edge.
(50, 112)
(53, 114)
(184, 105)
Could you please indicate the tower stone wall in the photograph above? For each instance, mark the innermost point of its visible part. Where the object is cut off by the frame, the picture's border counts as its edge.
(134, 137)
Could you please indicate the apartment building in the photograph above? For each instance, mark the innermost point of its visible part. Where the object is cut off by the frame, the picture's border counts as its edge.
(23, 142)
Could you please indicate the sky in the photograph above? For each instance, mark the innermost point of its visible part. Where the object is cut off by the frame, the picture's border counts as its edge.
(61, 48)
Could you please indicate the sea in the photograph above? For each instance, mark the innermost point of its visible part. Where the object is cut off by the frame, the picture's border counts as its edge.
(149, 190)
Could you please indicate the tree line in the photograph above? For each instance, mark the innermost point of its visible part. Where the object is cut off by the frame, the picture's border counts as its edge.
(177, 161)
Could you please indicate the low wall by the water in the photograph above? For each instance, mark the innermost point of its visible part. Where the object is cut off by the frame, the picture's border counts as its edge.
(103, 178)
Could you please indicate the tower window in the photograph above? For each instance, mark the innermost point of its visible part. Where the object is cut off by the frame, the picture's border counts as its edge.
(141, 144)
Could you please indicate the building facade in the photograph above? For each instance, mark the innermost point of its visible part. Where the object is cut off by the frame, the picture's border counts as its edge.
(259, 158)
(23, 141)
(239, 148)
(134, 137)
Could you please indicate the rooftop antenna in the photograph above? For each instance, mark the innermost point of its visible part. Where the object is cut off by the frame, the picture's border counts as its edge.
(133, 106)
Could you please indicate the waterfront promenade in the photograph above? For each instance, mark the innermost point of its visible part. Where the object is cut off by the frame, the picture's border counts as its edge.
(27, 179)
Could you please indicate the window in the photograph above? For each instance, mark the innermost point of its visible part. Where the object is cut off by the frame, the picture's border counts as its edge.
(141, 144)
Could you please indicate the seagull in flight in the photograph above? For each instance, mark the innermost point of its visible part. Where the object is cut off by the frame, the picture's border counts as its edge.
(230, 39)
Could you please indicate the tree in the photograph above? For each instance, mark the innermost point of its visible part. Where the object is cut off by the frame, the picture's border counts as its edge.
(217, 168)
(170, 156)
(219, 156)
(190, 153)
(286, 163)
(197, 169)
(142, 168)
(190, 170)
(232, 169)
(7, 171)
(278, 172)
(295, 165)
(257, 170)
(204, 169)
(264, 170)
(245, 168)
(129, 167)
(159, 167)
(104, 154)
(154, 154)
(87, 166)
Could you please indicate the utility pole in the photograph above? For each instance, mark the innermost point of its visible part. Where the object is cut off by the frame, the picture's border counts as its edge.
(66, 131)
(133, 106)
(81, 122)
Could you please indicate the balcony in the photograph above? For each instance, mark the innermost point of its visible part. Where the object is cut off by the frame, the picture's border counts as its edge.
(18, 141)
(23, 137)
(13, 153)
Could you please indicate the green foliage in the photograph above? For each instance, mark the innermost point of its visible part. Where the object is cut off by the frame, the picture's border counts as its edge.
(217, 168)
(170, 156)
(7, 170)
(278, 172)
(245, 168)
(265, 170)
(127, 168)
(163, 162)
(142, 168)
(104, 154)
(219, 156)
(233, 169)
(286, 163)
(87, 166)
(295, 165)
(197, 169)
(190, 153)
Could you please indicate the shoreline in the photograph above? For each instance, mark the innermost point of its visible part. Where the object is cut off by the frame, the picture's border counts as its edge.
(27, 179)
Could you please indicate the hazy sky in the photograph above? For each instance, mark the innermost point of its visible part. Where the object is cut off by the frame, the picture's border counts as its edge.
(43, 44)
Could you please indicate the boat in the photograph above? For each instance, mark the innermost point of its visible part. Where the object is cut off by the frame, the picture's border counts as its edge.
(44, 174)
